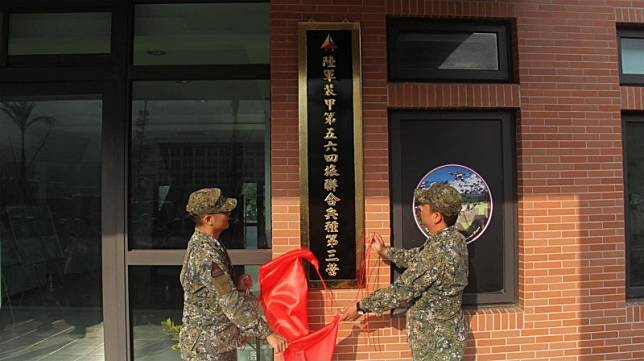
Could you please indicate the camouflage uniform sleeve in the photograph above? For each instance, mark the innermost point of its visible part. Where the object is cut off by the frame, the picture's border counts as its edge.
(401, 257)
(213, 275)
(417, 278)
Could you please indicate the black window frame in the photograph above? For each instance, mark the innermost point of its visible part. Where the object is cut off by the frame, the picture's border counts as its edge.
(632, 33)
(631, 292)
(508, 295)
(503, 29)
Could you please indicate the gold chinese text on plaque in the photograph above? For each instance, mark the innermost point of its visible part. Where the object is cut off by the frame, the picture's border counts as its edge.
(330, 120)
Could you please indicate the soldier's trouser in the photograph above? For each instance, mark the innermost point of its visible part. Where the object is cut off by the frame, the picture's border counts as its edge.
(194, 356)
(438, 340)
(203, 344)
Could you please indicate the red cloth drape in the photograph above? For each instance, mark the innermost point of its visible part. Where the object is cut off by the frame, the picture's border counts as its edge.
(283, 289)
(283, 292)
(316, 346)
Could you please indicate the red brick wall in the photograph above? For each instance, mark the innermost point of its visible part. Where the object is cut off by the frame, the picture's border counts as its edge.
(571, 272)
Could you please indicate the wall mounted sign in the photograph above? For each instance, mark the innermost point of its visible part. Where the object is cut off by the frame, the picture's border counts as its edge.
(330, 123)
(476, 211)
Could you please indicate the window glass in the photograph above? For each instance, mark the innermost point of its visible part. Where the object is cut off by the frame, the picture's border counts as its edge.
(187, 135)
(634, 149)
(421, 50)
(156, 301)
(2, 39)
(458, 50)
(632, 55)
(60, 33)
(222, 33)
(50, 228)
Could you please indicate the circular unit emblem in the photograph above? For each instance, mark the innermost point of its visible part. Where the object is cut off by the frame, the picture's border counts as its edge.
(476, 211)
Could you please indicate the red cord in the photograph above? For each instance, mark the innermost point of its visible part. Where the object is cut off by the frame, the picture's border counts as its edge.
(326, 289)
(363, 291)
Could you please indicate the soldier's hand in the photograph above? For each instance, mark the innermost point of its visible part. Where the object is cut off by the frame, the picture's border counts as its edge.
(277, 342)
(350, 313)
(245, 283)
(378, 244)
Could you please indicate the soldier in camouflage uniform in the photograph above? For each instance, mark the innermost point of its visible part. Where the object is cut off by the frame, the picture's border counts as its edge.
(215, 315)
(433, 282)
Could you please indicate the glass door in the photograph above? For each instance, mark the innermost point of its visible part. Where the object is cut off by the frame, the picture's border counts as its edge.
(51, 288)
(187, 135)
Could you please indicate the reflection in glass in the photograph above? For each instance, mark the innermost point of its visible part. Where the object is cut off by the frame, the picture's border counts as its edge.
(60, 33)
(2, 51)
(156, 302)
(453, 51)
(188, 135)
(155, 296)
(634, 134)
(202, 33)
(632, 55)
(50, 202)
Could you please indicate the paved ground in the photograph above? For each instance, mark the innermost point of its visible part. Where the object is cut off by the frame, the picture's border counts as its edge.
(37, 335)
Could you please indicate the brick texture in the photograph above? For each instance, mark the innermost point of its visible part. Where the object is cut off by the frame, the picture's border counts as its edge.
(571, 255)
(632, 98)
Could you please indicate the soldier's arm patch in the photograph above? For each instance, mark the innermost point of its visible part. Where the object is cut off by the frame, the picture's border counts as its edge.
(220, 279)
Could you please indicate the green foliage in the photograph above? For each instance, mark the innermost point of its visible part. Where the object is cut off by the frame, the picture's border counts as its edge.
(173, 330)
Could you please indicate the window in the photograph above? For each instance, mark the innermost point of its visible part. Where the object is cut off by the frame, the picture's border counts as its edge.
(634, 179)
(156, 296)
(488, 217)
(61, 33)
(50, 227)
(59, 38)
(222, 33)
(438, 50)
(192, 127)
(187, 135)
(37, 39)
(3, 39)
(631, 56)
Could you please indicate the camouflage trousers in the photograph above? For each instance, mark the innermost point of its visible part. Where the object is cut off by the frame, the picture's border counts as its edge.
(204, 344)
(194, 356)
(437, 340)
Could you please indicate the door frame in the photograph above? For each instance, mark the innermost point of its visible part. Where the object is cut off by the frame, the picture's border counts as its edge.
(114, 282)
(507, 118)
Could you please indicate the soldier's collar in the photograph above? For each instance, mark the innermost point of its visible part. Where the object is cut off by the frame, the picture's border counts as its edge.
(441, 231)
(208, 237)
(435, 236)
(446, 229)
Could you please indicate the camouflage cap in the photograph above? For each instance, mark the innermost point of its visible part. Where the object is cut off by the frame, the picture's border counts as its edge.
(441, 197)
(209, 201)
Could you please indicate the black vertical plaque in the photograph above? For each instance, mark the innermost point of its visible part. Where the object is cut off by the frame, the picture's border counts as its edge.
(342, 43)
